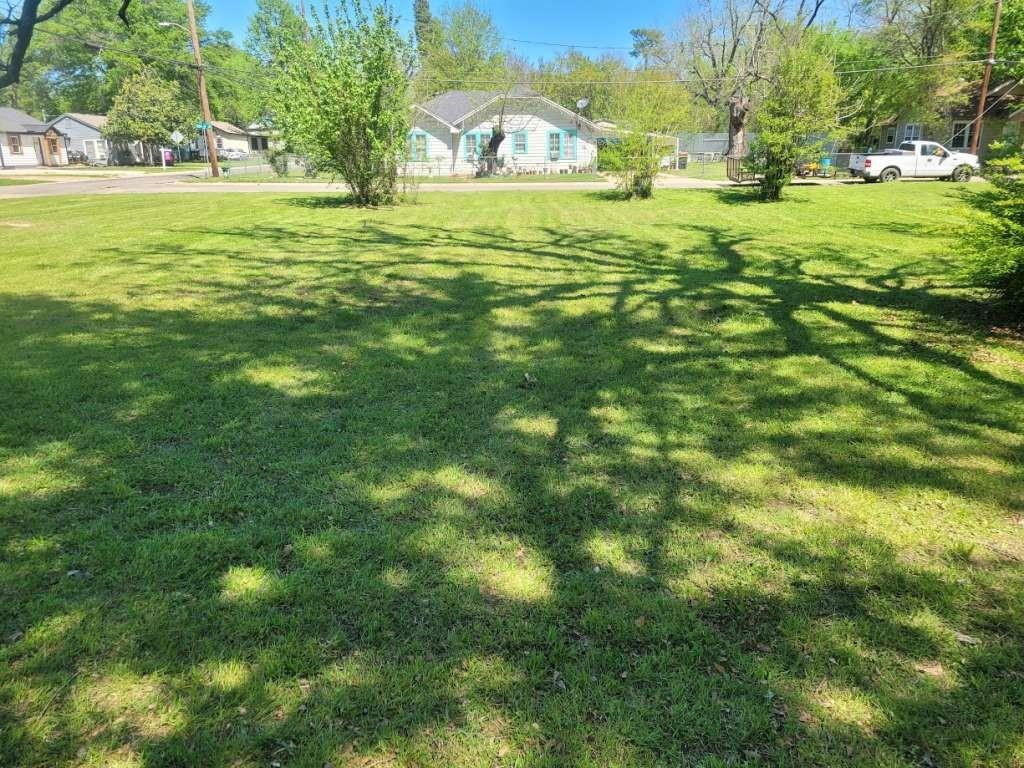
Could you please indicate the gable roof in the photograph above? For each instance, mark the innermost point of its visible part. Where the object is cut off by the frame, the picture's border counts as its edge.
(90, 121)
(452, 107)
(15, 121)
(226, 127)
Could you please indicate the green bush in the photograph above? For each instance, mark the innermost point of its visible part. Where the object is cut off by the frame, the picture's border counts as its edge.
(278, 160)
(994, 241)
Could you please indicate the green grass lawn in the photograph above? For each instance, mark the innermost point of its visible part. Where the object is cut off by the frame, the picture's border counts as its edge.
(535, 479)
(299, 176)
(9, 182)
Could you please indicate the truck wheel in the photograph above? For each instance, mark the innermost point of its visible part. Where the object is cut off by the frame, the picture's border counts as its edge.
(889, 174)
(961, 173)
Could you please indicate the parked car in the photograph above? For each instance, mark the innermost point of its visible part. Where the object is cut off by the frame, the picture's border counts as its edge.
(914, 159)
(231, 154)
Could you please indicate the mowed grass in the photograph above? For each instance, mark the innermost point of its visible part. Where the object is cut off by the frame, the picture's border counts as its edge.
(517, 479)
(11, 182)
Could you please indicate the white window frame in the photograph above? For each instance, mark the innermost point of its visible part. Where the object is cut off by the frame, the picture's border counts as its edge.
(912, 132)
(516, 138)
(555, 153)
(964, 129)
(419, 153)
(890, 136)
(14, 145)
(99, 149)
(471, 152)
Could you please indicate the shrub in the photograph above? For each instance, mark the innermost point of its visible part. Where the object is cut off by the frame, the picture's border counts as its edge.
(278, 160)
(994, 238)
(343, 97)
(799, 113)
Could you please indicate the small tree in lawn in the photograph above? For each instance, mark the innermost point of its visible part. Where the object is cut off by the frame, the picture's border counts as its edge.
(343, 97)
(994, 239)
(647, 112)
(799, 113)
(148, 109)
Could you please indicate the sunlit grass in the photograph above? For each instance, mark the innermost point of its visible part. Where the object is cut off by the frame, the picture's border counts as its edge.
(519, 479)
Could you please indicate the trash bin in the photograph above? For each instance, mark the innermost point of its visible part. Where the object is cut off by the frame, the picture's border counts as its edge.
(169, 157)
(683, 159)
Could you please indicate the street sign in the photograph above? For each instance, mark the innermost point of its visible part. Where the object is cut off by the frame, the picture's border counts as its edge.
(177, 136)
(202, 125)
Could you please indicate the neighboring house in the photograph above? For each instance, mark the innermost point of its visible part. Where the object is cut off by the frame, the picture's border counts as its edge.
(450, 131)
(85, 134)
(227, 136)
(27, 143)
(263, 136)
(1003, 117)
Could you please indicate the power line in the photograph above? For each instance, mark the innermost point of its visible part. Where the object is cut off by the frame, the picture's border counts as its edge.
(569, 45)
(537, 82)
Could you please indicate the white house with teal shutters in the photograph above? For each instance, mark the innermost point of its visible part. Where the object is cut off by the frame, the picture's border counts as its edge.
(450, 130)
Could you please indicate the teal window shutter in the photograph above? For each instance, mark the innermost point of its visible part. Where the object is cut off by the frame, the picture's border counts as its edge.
(526, 142)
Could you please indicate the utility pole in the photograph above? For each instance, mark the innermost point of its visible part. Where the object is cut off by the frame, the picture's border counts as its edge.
(204, 103)
(976, 137)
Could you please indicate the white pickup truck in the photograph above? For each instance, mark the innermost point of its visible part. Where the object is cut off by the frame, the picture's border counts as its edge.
(914, 159)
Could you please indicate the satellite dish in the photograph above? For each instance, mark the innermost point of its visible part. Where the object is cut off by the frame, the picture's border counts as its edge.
(582, 103)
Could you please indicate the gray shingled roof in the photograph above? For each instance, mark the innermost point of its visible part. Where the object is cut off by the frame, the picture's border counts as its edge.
(93, 121)
(452, 106)
(15, 121)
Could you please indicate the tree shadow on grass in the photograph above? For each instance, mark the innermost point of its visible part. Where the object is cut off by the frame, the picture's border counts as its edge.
(324, 514)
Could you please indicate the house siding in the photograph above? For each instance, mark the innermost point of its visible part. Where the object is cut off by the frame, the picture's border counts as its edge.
(534, 117)
(439, 147)
(31, 155)
(941, 132)
(78, 133)
(26, 159)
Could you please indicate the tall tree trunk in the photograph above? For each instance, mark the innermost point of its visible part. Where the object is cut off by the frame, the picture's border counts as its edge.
(739, 108)
(490, 152)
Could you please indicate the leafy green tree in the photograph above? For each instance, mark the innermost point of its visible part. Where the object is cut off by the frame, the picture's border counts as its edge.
(149, 110)
(994, 238)
(648, 112)
(79, 61)
(273, 26)
(799, 113)
(465, 52)
(424, 25)
(343, 97)
(572, 76)
(646, 44)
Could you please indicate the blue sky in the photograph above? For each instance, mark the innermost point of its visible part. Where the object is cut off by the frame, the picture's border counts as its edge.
(596, 22)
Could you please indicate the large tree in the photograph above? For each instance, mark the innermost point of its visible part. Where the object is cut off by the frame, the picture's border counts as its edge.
(909, 60)
(573, 76)
(79, 61)
(17, 28)
(149, 110)
(725, 48)
(464, 52)
(424, 25)
(343, 97)
(273, 26)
